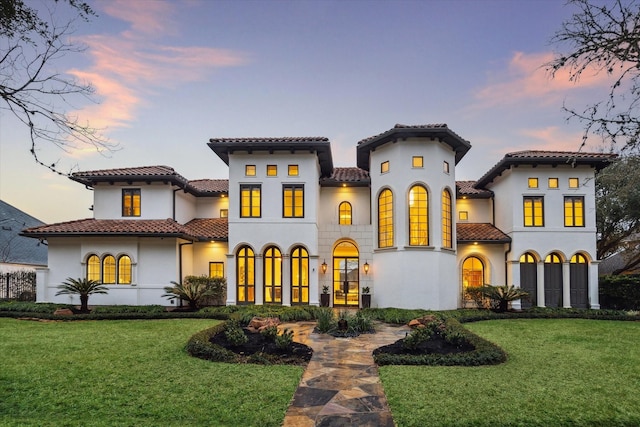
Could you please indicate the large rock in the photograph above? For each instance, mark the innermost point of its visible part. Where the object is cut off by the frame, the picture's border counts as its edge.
(63, 312)
(258, 324)
(421, 322)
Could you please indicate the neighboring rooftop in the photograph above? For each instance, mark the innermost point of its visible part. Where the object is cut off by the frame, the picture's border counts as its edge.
(14, 248)
(551, 158)
(434, 131)
(223, 147)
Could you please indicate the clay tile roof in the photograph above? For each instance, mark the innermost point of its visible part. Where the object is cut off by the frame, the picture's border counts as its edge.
(208, 228)
(110, 227)
(468, 189)
(128, 174)
(541, 157)
(480, 232)
(210, 185)
(352, 176)
(440, 132)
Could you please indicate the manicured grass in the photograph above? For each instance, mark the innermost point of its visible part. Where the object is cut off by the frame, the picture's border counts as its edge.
(130, 373)
(560, 372)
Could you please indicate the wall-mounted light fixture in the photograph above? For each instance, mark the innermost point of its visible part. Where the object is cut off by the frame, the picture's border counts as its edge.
(324, 266)
(366, 267)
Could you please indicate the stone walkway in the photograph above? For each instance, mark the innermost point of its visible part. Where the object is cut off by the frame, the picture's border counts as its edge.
(341, 386)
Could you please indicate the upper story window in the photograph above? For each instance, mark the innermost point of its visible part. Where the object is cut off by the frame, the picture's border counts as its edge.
(574, 182)
(533, 182)
(533, 211)
(384, 167)
(131, 202)
(445, 167)
(272, 170)
(344, 213)
(417, 162)
(418, 216)
(250, 170)
(224, 213)
(553, 182)
(293, 201)
(463, 215)
(250, 201)
(216, 269)
(574, 211)
(293, 170)
(385, 219)
(447, 220)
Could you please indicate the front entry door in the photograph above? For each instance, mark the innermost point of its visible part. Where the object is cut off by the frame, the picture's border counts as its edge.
(345, 275)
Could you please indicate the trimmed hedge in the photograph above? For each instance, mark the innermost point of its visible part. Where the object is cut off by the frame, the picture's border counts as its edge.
(620, 292)
(485, 352)
(199, 346)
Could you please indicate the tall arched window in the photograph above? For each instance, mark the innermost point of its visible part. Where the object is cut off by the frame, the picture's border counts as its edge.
(245, 275)
(124, 270)
(299, 276)
(418, 216)
(385, 219)
(447, 220)
(472, 273)
(109, 269)
(93, 268)
(272, 275)
(345, 213)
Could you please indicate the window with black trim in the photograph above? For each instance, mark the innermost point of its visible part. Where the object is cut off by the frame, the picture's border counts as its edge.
(385, 219)
(131, 202)
(417, 161)
(418, 216)
(293, 201)
(447, 220)
(250, 170)
(533, 211)
(299, 276)
(272, 170)
(250, 200)
(384, 167)
(293, 170)
(216, 269)
(445, 167)
(109, 270)
(532, 182)
(574, 182)
(344, 213)
(245, 275)
(574, 211)
(224, 213)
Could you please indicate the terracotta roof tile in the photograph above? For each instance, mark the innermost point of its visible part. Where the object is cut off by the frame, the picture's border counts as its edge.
(351, 175)
(210, 185)
(467, 188)
(480, 232)
(208, 228)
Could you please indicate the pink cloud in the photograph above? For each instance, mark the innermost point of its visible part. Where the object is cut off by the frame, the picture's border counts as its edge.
(145, 17)
(526, 79)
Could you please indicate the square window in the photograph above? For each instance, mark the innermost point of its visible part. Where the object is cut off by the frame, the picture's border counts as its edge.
(224, 213)
(384, 167)
(250, 170)
(533, 182)
(463, 215)
(445, 167)
(216, 269)
(293, 170)
(272, 170)
(574, 183)
(553, 182)
(417, 162)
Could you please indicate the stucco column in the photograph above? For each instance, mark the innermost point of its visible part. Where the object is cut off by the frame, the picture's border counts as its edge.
(286, 280)
(513, 277)
(540, 284)
(594, 297)
(314, 274)
(231, 280)
(566, 284)
(258, 279)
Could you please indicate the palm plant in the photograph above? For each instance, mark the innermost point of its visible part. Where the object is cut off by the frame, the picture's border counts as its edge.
(500, 296)
(193, 292)
(83, 287)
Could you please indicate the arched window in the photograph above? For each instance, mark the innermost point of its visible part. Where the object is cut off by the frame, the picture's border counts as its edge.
(93, 268)
(124, 270)
(553, 280)
(299, 276)
(529, 279)
(109, 269)
(245, 275)
(579, 281)
(447, 232)
(472, 273)
(385, 219)
(272, 275)
(345, 213)
(418, 216)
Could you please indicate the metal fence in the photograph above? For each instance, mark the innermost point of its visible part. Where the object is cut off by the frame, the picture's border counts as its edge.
(18, 285)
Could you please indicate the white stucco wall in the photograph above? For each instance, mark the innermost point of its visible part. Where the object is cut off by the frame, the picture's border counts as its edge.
(156, 201)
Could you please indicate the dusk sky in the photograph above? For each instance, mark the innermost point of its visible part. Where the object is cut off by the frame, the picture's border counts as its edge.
(170, 75)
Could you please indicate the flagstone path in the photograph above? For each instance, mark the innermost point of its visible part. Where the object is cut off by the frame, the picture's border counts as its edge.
(341, 386)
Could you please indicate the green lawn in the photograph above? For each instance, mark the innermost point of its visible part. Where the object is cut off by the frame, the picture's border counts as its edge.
(130, 373)
(559, 373)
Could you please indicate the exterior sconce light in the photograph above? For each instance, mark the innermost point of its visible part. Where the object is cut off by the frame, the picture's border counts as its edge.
(366, 267)
(324, 266)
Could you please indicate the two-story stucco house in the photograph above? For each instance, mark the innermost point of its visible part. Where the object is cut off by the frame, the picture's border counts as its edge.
(288, 223)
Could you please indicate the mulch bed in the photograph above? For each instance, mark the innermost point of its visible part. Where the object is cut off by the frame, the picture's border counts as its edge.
(435, 345)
